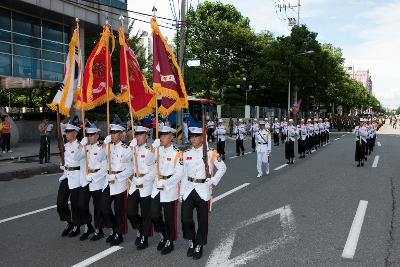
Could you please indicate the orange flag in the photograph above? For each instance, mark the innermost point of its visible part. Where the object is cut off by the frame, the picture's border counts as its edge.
(95, 76)
(142, 96)
(167, 77)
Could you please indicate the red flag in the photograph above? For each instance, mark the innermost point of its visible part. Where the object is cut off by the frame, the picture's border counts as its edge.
(95, 75)
(142, 96)
(296, 107)
(167, 77)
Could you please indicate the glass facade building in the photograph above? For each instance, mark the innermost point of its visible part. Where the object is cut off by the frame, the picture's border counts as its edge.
(32, 47)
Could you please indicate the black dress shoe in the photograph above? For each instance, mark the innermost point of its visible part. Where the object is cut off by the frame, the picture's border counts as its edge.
(67, 229)
(242, 153)
(118, 239)
(86, 235)
(161, 244)
(288, 162)
(190, 251)
(362, 164)
(75, 232)
(137, 240)
(198, 252)
(168, 248)
(143, 243)
(358, 165)
(97, 236)
(110, 238)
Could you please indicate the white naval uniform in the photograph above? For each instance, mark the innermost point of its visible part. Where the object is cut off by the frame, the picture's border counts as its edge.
(302, 131)
(220, 133)
(194, 168)
(253, 129)
(171, 164)
(291, 133)
(263, 148)
(74, 177)
(240, 131)
(276, 127)
(121, 163)
(146, 167)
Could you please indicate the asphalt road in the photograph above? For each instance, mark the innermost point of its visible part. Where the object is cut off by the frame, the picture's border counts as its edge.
(299, 215)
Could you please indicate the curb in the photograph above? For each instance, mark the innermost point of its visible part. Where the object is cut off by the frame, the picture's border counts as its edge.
(29, 172)
(25, 157)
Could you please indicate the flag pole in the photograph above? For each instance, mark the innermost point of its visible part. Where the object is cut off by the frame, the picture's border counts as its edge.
(59, 137)
(108, 99)
(82, 109)
(128, 87)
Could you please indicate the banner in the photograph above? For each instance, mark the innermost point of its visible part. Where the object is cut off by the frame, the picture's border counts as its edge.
(142, 96)
(296, 108)
(167, 77)
(72, 80)
(95, 75)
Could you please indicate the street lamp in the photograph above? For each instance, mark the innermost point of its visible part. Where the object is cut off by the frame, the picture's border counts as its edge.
(250, 86)
(290, 66)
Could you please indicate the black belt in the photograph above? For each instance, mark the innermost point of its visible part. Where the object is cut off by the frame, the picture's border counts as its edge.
(93, 171)
(114, 172)
(140, 175)
(262, 143)
(198, 181)
(139, 186)
(72, 168)
(164, 177)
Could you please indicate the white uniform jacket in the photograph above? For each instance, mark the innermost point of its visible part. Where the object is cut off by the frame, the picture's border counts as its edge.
(194, 169)
(240, 131)
(263, 141)
(220, 133)
(302, 129)
(74, 176)
(291, 133)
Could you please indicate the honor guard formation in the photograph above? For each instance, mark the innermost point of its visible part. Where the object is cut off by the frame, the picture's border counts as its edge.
(129, 182)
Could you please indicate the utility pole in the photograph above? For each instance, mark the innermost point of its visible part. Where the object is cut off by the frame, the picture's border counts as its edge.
(182, 44)
(298, 13)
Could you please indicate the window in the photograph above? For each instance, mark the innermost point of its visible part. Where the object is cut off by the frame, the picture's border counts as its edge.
(26, 40)
(53, 56)
(52, 31)
(5, 64)
(5, 48)
(52, 71)
(53, 46)
(5, 22)
(26, 67)
(5, 36)
(26, 51)
(26, 24)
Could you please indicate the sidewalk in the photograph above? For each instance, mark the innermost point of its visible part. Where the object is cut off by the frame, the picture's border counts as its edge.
(387, 129)
(23, 162)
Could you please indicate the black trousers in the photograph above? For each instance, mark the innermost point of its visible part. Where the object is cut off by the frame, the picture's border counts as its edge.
(276, 139)
(316, 140)
(327, 137)
(167, 224)
(289, 150)
(194, 201)
(360, 150)
(253, 142)
(283, 137)
(221, 147)
(6, 141)
(301, 146)
(98, 217)
(309, 144)
(210, 135)
(84, 213)
(239, 146)
(44, 152)
(142, 221)
(64, 193)
(114, 220)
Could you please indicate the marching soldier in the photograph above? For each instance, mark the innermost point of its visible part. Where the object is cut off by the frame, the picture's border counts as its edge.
(220, 133)
(70, 183)
(240, 131)
(302, 129)
(327, 129)
(276, 128)
(263, 147)
(210, 130)
(141, 185)
(283, 130)
(310, 136)
(92, 183)
(196, 191)
(291, 133)
(253, 130)
(361, 134)
(316, 134)
(114, 188)
(165, 191)
(321, 126)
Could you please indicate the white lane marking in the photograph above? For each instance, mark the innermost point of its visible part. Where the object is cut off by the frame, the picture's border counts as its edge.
(354, 234)
(343, 135)
(230, 192)
(375, 163)
(379, 144)
(27, 214)
(239, 156)
(337, 138)
(220, 255)
(233, 157)
(248, 153)
(280, 167)
(98, 256)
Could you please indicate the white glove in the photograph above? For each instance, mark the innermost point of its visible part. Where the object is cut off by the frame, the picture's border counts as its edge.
(133, 143)
(208, 181)
(180, 199)
(89, 177)
(107, 140)
(62, 167)
(84, 141)
(160, 183)
(111, 177)
(156, 143)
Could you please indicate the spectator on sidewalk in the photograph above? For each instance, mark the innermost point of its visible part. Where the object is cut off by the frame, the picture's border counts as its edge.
(44, 129)
(5, 134)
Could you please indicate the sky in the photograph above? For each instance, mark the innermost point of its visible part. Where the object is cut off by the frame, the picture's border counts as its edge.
(367, 31)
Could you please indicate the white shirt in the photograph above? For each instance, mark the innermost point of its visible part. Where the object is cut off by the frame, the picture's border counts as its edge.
(210, 125)
(276, 127)
(310, 129)
(74, 177)
(361, 132)
(316, 128)
(220, 133)
(240, 131)
(291, 132)
(263, 141)
(302, 130)
(284, 126)
(194, 168)
(253, 129)
(171, 164)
